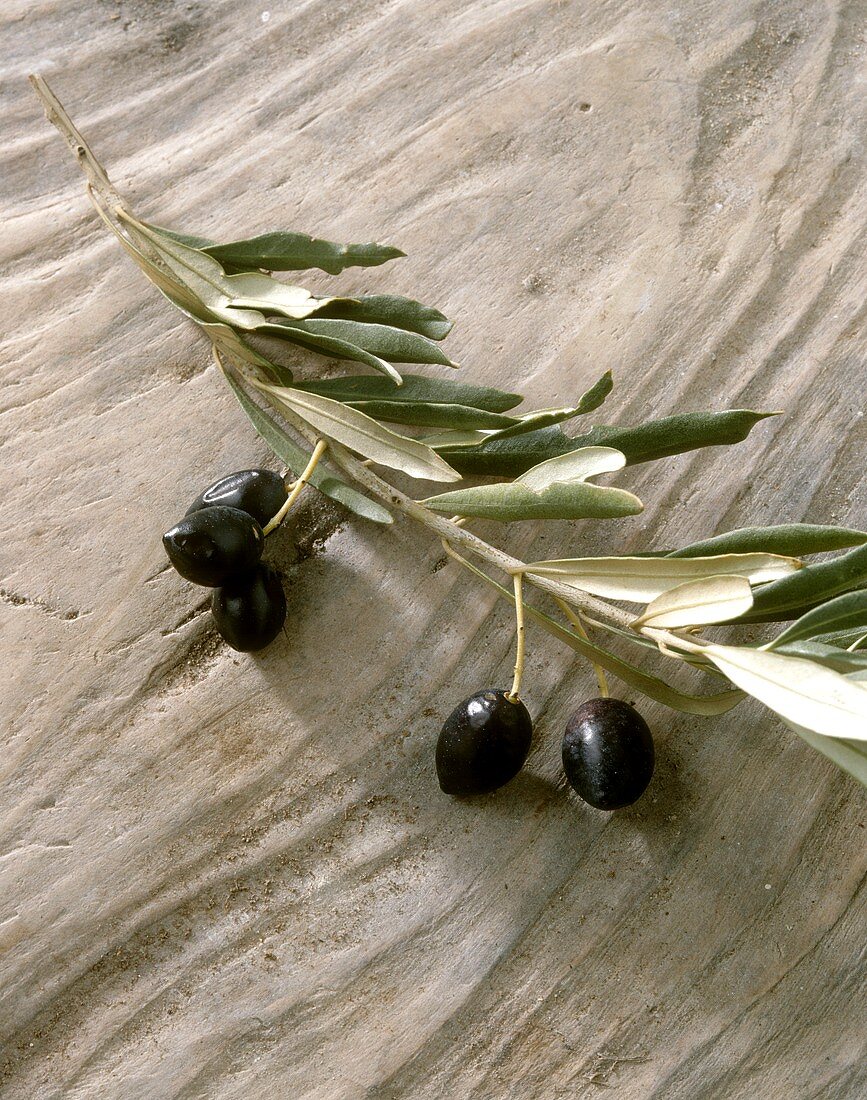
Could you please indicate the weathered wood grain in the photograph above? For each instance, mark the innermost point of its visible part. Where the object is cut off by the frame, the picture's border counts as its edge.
(225, 877)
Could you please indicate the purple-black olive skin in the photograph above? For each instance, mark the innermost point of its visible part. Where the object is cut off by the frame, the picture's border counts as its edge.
(260, 493)
(608, 753)
(212, 545)
(483, 743)
(250, 610)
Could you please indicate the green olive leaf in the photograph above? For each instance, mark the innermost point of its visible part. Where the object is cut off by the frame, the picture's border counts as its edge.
(556, 489)
(288, 451)
(795, 539)
(384, 341)
(840, 660)
(433, 415)
(279, 251)
(360, 433)
(330, 346)
(641, 580)
(390, 309)
(657, 439)
(792, 597)
(415, 388)
(843, 614)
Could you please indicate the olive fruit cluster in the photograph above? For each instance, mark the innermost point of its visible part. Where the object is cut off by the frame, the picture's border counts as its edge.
(219, 544)
(608, 754)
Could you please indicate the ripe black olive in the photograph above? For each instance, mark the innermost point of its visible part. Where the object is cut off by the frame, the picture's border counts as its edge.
(250, 610)
(608, 753)
(483, 743)
(213, 544)
(261, 493)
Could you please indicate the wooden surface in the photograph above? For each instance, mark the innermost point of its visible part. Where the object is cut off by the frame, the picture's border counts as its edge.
(237, 878)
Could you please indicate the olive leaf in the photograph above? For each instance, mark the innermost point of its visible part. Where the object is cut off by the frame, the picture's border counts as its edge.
(280, 251)
(527, 422)
(360, 433)
(795, 539)
(383, 341)
(651, 686)
(330, 346)
(415, 388)
(840, 660)
(556, 489)
(657, 439)
(390, 309)
(641, 580)
(433, 415)
(792, 597)
(287, 450)
(816, 698)
(843, 614)
(847, 754)
(698, 603)
(240, 300)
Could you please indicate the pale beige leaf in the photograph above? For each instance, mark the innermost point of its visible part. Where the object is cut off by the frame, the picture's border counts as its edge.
(641, 580)
(577, 465)
(698, 603)
(356, 430)
(800, 691)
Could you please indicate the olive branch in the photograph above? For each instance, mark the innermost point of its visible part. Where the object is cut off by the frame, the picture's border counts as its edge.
(813, 674)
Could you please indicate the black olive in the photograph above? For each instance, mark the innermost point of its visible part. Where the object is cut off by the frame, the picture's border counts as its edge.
(608, 753)
(261, 493)
(213, 544)
(483, 743)
(250, 610)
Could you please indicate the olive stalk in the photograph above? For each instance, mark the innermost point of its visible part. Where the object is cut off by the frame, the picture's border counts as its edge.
(276, 520)
(515, 694)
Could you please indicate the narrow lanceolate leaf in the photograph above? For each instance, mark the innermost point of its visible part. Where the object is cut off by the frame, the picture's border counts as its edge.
(511, 501)
(330, 346)
(840, 660)
(288, 451)
(651, 686)
(394, 344)
(434, 415)
(843, 614)
(698, 603)
(657, 439)
(361, 434)
(416, 388)
(851, 756)
(232, 344)
(794, 539)
(554, 490)
(391, 309)
(594, 397)
(799, 690)
(641, 580)
(235, 299)
(521, 425)
(291, 252)
(791, 597)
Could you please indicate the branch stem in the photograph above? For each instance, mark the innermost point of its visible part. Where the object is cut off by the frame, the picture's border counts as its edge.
(515, 694)
(276, 520)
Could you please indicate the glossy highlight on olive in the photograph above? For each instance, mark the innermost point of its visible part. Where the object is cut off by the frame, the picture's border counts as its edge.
(260, 493)
(483, 743)
(250, 610)
(608, 753)
(213, 544)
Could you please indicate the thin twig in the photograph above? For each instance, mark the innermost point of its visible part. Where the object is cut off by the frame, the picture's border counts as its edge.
(276, 520)
(515, 694)
(574, 618)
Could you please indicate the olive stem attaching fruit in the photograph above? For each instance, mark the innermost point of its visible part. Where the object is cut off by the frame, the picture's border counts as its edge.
(515, 694)
(574, 618)
(295, 492)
